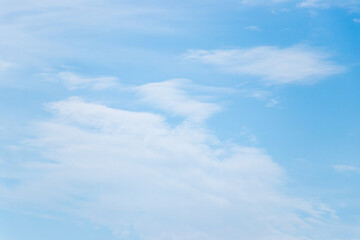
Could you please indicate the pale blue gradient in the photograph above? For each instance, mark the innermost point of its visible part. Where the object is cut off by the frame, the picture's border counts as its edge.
(306, 128)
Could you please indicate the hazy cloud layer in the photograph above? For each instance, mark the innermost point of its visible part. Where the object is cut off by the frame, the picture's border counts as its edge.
(35, 32)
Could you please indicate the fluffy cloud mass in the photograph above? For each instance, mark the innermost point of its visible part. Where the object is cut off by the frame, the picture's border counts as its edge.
(144, 179)
(273, 64)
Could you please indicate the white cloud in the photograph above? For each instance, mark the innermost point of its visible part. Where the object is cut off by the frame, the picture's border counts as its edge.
(253, 28)
(346, 169)
(136, 174)
(297, 64)
(356, 20)
(169, 96)
(74, 81)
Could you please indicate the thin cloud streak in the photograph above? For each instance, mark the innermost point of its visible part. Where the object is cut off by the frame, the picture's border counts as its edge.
(346, 169)
(74, 81)
(273, 65)
(253, 28)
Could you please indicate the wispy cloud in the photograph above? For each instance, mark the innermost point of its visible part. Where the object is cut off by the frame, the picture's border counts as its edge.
(253, 28)
(349, 4)
(260, 94)
(274, 65)
(122, 168)
(74, 81)
(170, 97)
(346, 169)
(356, 20)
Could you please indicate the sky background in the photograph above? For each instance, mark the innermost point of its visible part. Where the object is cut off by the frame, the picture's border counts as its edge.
(180, 120)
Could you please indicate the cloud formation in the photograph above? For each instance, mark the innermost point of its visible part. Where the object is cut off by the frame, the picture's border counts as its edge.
(138, 175)
(169, 96)
(274, 65)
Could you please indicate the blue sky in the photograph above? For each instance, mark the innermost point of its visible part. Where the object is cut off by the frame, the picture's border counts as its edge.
(179, 120)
